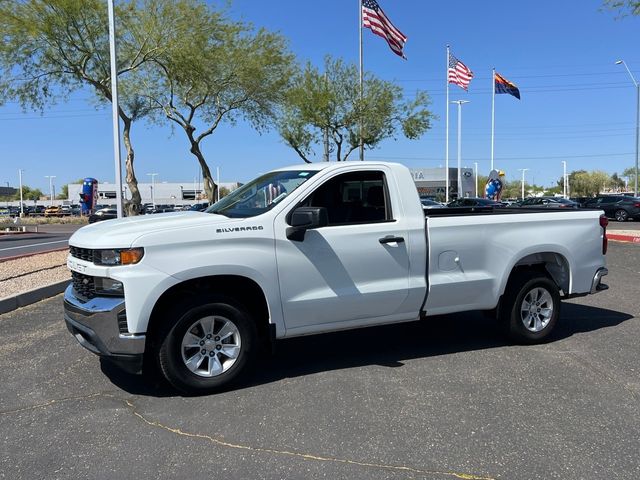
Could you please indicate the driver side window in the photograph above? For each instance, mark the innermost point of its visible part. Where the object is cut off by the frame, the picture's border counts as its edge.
(352, 198)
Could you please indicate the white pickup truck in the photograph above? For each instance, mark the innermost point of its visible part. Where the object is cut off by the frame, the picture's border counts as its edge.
(311, 249)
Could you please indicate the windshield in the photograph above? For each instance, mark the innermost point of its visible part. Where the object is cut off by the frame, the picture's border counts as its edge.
(261, 194)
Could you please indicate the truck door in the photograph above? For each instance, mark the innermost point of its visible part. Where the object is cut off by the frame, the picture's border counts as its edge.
(356, 267)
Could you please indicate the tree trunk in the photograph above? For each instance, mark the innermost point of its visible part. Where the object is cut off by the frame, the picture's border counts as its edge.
(132, 207)
(210, 186)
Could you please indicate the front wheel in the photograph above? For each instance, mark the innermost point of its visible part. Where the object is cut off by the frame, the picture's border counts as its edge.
(531, 307)
(621, 215)
(206, 345)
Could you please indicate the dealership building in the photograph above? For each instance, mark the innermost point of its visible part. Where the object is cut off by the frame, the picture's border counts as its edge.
(8, 191)
(166, 193)
(432, 181)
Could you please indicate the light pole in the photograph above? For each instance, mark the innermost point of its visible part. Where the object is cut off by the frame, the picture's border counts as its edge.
(218, 180)
(21, 202)
(459, 103)
(476, 165)
(153, 188)
(637, 85)
(50, 177)
(523, 170)
(564, 178)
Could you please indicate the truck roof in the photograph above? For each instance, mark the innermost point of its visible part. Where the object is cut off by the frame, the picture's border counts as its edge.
(325, 165)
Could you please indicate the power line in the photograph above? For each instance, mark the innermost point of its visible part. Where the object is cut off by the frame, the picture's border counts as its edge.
(488, 77)
(51, 117)
(526, 90)
(550, 157)
(84, 110)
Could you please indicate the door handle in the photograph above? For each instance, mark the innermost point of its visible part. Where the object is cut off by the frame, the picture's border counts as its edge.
(391, 239)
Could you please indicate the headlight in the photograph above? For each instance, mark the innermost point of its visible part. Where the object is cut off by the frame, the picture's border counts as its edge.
(108, 286)
(127, 256)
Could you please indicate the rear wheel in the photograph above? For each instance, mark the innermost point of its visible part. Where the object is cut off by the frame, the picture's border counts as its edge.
(206, 345)
(621, 215)
(531, 307)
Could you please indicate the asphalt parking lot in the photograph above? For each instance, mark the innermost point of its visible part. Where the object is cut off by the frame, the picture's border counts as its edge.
(49, 237)
(440, 399)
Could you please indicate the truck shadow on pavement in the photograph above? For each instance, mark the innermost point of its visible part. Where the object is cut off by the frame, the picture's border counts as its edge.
(387, 346)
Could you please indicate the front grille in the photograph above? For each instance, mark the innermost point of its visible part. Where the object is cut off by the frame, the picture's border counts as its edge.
(83, 284)
(82, 253)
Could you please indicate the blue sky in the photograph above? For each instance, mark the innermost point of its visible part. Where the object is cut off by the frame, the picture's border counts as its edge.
(576, 104)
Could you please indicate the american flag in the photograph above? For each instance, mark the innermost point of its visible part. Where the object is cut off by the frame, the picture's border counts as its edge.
(459, 73)
(374, 18)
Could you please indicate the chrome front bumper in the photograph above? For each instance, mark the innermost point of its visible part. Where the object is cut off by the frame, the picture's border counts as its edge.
(596, 283)
(95, 325)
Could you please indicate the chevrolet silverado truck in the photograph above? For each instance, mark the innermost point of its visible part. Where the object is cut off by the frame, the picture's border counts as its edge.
(311, 249)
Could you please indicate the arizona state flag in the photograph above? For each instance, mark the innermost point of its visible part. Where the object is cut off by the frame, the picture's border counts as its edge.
(502, 85)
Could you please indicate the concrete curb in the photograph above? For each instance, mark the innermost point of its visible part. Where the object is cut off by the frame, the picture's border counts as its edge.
(10, 304)
(623, 238)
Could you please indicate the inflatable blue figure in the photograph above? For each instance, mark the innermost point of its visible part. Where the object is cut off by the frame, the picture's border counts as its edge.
(89, 195)
(493, 189)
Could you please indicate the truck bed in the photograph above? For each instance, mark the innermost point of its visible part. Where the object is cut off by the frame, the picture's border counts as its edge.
(465, 211)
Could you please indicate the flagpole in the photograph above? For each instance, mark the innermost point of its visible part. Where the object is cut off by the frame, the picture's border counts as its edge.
(361, 80)
(493, 112)
(446, 149)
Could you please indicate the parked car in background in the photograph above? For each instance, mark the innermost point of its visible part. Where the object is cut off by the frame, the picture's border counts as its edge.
(66, 210)
(53, 211)
(37, 210)
(620, 207)
(76, 210)
(103, 214)
(164, 209)
(199, 207)
(474, 202)
(548, 202)
(580, 200)
(4, 212)
(427, 203)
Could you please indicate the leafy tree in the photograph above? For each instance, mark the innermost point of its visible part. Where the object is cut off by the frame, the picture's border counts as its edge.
(64, 193)
(624, 7)
(51, 48)
(617, 182)
(482, 183)
(29, 193)
(330, 101)
(216, 71)
(587, 184)
(64, 190)
(513, 189)
(630, 175)
(555, 190)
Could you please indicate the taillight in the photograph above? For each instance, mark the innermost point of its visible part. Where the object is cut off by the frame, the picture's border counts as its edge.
(637, 205)
(604, 221)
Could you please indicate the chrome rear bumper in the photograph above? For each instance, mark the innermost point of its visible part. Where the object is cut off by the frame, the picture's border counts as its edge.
(596, 283)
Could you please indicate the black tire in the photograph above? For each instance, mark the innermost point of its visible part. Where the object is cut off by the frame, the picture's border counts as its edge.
(621, 215)
(171, 353)
(535, 324)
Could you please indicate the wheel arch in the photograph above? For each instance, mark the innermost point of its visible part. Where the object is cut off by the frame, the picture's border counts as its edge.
(552, 263)
(243, 290)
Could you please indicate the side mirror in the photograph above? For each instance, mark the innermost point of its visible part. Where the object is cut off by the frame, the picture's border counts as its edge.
(306, 218)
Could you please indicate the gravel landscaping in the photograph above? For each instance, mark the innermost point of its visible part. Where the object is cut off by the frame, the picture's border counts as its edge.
(23, 274)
